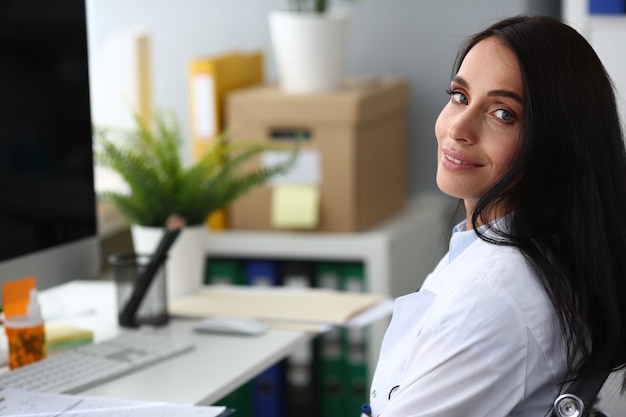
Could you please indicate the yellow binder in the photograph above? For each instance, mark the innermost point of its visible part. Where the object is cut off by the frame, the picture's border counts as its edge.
(211, 78)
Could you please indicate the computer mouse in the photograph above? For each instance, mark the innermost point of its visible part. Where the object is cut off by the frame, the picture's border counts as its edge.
(231, 325)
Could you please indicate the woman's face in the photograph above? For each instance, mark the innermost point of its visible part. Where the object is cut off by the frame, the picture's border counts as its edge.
(478, 129)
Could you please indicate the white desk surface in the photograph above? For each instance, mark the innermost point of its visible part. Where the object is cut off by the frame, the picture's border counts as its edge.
(215, 367)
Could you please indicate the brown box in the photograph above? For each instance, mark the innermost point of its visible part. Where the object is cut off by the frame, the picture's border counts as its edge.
(359, 133)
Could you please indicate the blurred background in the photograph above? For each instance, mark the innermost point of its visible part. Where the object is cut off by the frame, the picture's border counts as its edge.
(413, 39)
(417, 40)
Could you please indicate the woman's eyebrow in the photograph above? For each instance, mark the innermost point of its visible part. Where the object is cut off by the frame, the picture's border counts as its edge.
(506, 93)
(494, 93)
(460, 80)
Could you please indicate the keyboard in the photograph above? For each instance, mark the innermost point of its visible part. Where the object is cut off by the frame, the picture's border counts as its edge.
(83, 367)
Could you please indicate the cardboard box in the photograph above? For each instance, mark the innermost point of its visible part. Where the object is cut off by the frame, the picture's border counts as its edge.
(359, 136)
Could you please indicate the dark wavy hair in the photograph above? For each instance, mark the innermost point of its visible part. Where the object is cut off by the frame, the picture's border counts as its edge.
(567, 187)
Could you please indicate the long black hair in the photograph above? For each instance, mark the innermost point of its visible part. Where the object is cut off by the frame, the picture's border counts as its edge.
(566, 187)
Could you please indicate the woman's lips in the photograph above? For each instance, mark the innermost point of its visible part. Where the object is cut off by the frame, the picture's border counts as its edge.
(457, 161)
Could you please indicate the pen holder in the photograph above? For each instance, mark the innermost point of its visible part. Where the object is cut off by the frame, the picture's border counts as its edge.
(127, 267)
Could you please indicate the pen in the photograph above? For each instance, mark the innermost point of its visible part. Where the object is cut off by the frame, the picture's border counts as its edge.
(366, 409)
(173, 227)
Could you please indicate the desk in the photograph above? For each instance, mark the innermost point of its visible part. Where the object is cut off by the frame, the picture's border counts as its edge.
(216, 366)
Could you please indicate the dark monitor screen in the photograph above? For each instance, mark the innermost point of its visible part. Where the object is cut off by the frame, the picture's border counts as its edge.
(47, 200)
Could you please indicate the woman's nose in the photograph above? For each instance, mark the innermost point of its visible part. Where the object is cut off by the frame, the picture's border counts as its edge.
(463, 126)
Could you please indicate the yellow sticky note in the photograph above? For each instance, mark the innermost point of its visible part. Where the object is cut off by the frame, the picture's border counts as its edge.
(295, 206)
(64, 336)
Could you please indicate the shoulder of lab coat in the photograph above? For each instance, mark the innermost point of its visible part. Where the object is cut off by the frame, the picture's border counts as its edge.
(489, 324)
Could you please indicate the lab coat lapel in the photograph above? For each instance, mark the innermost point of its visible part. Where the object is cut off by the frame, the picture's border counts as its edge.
(403, 329)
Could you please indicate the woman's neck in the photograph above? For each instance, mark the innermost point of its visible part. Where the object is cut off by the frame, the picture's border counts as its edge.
(487, 216)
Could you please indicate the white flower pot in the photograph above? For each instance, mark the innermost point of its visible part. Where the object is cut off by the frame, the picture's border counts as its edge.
(186, 258)
(309, 50)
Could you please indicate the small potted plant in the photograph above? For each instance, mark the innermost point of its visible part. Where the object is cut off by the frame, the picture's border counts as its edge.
(317, 6)
(310, 46)
(159, 185)
(150, 162)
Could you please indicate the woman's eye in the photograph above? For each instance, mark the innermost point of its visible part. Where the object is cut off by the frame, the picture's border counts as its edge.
(458, 97)
(504, 115)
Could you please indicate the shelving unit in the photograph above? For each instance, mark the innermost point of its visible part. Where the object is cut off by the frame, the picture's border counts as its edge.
(397, 254)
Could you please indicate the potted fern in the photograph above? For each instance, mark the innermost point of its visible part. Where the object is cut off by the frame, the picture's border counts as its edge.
(148, 159)
(310, 46)
(317, 6)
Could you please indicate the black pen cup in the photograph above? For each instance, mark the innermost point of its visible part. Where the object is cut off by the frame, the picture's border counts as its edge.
(127, 268)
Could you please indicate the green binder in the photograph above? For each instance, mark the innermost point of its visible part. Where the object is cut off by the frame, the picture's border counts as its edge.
(239, 400)
(230, 271)
(300, 368)
(224, 271)
(355, 345)
(329, 352)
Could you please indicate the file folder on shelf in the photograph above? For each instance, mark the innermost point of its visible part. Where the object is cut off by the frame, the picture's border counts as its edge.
(267, 387)
(267, 392)
(239, 400)
(229, 272)
(262, 273)
(300, 370)
(211, 78)
(224, 271)
(331, 386)
(355, 347)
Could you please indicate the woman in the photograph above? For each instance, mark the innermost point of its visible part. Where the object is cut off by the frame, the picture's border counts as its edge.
(530, 293)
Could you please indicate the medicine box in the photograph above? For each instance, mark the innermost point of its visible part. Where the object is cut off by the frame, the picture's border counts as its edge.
(354, 149)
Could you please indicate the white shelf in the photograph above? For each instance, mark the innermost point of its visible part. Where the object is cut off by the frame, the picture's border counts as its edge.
(397, 254)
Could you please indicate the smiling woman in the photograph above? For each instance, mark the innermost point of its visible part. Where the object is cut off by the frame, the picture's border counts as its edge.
(478, 130)
(530, 293)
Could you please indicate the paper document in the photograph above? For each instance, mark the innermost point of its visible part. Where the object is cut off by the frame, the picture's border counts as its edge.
(379, 311)
(22, 403)
(314, 305)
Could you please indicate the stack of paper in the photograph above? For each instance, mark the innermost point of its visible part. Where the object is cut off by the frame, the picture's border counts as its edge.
(18, 402)
(312, 305)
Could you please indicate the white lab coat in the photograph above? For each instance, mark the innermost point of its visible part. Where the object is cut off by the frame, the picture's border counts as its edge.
(480, 338)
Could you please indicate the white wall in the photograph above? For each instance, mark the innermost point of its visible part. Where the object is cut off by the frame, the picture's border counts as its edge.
(607, 35)
(417, 39)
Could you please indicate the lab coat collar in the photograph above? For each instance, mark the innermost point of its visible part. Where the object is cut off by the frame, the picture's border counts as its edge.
(451, 272)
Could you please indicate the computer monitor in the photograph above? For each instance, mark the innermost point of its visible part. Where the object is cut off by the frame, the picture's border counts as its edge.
(48, 225)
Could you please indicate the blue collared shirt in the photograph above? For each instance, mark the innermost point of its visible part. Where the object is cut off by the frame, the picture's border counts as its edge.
(460, 240)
